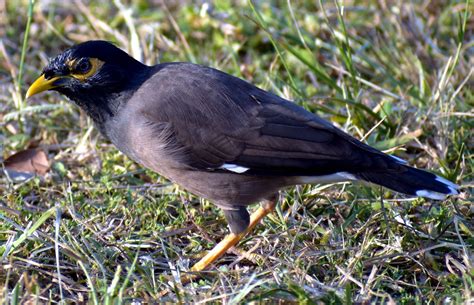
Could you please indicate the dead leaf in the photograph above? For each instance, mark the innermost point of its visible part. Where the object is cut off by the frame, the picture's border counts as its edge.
(29, 161)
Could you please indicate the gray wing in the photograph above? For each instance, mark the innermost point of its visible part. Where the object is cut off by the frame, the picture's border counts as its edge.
(219, 121)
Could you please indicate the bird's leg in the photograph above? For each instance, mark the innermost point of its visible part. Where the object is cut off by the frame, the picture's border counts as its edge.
(232, 239)
(229, 241)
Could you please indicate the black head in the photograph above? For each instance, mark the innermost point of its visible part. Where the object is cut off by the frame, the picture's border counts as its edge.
(90, 73)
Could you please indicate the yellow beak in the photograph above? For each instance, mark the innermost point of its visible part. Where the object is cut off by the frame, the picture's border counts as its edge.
(42, 84)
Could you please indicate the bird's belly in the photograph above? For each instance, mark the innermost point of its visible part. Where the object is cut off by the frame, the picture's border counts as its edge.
(223, 189)
(228, 188)
(220, 187)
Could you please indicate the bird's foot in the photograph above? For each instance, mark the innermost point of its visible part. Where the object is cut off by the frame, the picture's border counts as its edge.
(232, 239)
(229, 241)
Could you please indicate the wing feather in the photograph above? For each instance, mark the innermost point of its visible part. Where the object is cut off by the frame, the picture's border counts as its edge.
(220, 119)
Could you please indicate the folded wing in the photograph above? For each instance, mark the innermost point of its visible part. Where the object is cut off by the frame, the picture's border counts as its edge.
(235, 125)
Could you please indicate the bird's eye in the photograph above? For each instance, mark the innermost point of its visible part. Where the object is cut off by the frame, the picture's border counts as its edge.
(84, 66)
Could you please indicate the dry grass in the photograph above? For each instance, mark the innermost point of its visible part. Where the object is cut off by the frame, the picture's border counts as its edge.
(98, 228)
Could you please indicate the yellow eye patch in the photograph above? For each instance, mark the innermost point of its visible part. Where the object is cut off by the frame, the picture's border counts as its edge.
(84, 68)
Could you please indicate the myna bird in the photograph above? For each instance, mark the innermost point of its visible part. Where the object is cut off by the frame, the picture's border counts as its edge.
(219, 136)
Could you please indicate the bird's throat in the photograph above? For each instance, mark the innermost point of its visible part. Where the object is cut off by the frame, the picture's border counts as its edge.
(102, 108)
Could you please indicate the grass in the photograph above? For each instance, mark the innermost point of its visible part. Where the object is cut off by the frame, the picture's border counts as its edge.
(100, 229)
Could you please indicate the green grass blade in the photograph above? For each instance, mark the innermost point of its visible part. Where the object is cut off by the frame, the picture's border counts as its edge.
(93, 291)
(263, 25)
(45, 216)
(23, 48)
(320, 73)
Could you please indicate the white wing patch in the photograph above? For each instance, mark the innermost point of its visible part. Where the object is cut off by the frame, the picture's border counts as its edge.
(234, 168)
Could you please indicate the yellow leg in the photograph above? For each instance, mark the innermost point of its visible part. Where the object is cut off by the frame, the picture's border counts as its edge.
(232, 239)
(228, 242)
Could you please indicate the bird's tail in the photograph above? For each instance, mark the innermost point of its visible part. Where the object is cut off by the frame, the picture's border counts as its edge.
(414, 182)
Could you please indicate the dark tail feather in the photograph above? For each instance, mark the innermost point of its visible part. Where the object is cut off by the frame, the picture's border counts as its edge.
(413, 182)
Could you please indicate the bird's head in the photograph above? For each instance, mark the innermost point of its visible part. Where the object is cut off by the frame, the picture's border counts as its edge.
(88, 71)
